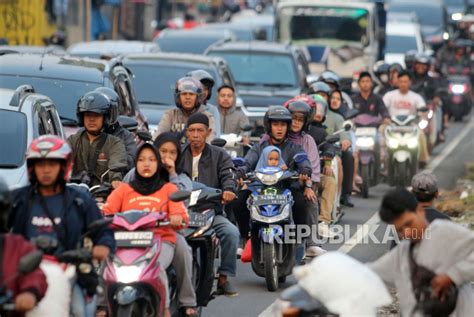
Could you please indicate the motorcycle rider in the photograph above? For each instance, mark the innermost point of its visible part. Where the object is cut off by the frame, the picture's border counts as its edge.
(207, 83)
(188, 98)
(333, 80)
(277, 124)
(403, 101)
(213, 167)
(410, 59)
(368, 102)
(29, 289)
(233, 120)
(443, 248)
(116, 129)
(381, 71)
(94, 151)
(48, 207)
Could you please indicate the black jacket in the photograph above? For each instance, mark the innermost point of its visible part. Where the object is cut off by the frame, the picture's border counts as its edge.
(215, 167)
(81, 210)
(129, 142)
(319, 134)
(288, 151)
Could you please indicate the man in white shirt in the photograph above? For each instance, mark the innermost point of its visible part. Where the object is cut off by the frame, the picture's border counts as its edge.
(403, 101)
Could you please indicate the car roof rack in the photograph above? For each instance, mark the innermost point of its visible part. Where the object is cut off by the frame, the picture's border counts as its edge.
(20, 92)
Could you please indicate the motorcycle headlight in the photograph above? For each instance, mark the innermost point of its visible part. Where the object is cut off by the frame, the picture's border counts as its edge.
(456, 16)
(269, 179)
(423, 124)
(430, 114)
(412, 143)
(458, 89)
(128, 273)
(365, 142)
(393, 143)
(85, 268)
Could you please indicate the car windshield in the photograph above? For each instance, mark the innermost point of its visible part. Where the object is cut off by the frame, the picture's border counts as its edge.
(261, 69)
(427, 14)
(399, 44)
(13, 138)
(63, 93)
(151, 88)
(454, 2)
(329, 26)
(192, 45)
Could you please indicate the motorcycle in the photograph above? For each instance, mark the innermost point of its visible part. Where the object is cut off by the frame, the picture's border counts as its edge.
(98, 192)
(270, 204)
(403, 149)
(27, 264)
(460, 91)
(131, 278)
(428, 124)
(368, 144)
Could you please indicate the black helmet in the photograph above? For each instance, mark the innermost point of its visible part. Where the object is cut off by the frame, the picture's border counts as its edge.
(299, 106)
(205, 78)
(330, 77)
(97, 102)
(5, 205)
(188, 84)
(410, 58)
(395, 67)
(276, 113)
(320, 86)
(114, 102)
(422, 58)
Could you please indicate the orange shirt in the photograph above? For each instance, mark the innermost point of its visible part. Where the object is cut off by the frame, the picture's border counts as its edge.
(125, 198)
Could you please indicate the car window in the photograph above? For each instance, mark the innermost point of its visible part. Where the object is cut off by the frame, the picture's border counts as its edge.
(46, 121)
(14, 137)
(399, 44)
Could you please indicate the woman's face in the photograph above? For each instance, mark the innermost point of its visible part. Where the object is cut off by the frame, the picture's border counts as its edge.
(147, 163)
(273, 158)
(336, 101)
(168, 151)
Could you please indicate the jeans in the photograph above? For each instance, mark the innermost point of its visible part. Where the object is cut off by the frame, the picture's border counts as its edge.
(228, 235)
(81, 304)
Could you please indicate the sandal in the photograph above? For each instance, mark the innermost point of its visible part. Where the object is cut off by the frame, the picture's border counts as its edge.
(191, 311)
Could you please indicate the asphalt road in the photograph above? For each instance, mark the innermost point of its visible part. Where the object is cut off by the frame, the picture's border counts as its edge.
(253, 298)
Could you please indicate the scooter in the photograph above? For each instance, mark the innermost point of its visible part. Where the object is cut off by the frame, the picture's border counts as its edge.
(403, 149)
(270, 204)
(460, 91)
(27, 264)
(368, 145)
(428, 124)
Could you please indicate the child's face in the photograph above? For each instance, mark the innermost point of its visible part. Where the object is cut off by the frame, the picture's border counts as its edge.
(273, 158)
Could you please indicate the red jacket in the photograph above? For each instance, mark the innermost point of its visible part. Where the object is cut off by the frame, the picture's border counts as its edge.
(14, 247)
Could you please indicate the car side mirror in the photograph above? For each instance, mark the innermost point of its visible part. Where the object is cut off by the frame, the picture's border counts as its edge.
(30, 262)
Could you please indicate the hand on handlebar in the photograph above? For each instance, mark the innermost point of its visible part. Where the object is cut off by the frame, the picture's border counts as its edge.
(25, 301)
(345, 144)
(116, 184)
(176, 221)
(100, 252)
(228, 196)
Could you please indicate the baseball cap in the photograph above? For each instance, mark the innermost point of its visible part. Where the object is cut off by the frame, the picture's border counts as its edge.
(424, 183)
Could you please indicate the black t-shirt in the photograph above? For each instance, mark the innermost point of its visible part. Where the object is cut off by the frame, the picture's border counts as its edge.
(373, 106)
(431, 214)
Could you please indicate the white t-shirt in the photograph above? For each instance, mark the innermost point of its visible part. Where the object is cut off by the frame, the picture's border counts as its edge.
(196, 167)
(403, 104)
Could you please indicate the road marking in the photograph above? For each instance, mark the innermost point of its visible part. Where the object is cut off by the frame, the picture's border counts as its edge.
(360, 234)
(450, 147)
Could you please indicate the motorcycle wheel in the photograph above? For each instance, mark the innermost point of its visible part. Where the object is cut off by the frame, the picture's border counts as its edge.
(132, 310)
(400, 174)
(271, 266)
(365, 174)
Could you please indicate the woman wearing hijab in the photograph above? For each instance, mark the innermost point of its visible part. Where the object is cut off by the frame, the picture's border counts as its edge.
(151, 185)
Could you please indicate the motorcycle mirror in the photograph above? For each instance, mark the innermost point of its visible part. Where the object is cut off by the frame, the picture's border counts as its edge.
(247, 128)
(144, 136)
(219, 142)
(30, 262)
(180, 195)
(238, 161)
(128, 123)
(352, 113)
(300, 158)
(347, 125)
(333, 139)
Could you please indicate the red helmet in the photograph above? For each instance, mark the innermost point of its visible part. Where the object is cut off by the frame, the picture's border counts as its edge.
(49, 147)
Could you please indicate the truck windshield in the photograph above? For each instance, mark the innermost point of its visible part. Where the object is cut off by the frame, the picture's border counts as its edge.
(328, 26)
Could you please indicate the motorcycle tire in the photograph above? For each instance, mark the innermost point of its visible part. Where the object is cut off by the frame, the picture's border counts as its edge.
(365, 174)
(271, 266)
(132, 310)
(400, 174)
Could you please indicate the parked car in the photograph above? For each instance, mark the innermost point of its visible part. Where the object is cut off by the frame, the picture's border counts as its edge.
(266, 74)
(432, 16)
(24, 115)
(50, 49)
(111, 48)
(155, 76)
(65, 79)
(193, 41)
(400, 38)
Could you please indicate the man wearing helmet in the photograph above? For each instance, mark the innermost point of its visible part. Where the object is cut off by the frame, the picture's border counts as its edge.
(277, 124)
(207, 84)
(116, 129)
(188, 98)
(94, 151)
(48, 207)
(30, 288)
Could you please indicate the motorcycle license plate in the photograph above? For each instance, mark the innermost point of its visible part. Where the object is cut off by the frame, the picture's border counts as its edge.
(133, 239)
(270, 200)
(197, 220)
(366, 132)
